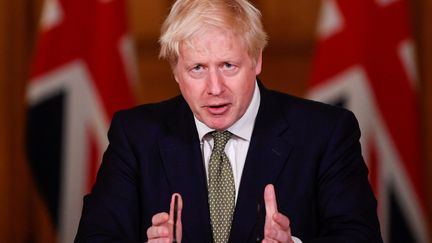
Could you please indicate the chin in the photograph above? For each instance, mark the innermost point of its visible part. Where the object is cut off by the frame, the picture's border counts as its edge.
(220, 126)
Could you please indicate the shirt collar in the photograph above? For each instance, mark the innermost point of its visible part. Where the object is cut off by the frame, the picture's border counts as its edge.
(244, 126)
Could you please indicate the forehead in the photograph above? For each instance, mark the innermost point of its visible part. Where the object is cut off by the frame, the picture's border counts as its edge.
(213, 42)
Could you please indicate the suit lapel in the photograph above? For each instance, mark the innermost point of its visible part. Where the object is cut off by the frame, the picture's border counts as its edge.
(268, 153)
(182, 160)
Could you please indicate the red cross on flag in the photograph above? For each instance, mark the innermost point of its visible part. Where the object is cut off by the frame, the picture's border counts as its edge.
(82, 72)
(365, 61)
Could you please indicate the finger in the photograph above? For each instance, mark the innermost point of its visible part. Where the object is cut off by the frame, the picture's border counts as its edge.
(270, 202)
(159, 240)
(282, 221)
(179, 207)
(156, 232)
(179, 212)
(160, 218)
(278, 236)
(269, 241)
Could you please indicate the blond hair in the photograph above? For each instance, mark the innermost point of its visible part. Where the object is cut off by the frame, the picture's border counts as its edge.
(188, 18)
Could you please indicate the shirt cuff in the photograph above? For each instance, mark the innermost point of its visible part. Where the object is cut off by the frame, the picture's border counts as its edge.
(296, 240)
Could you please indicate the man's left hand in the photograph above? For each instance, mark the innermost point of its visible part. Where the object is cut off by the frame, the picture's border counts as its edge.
(277, 226)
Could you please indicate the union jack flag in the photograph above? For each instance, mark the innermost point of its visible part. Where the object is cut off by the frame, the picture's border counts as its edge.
(82, 72)
(365, 61)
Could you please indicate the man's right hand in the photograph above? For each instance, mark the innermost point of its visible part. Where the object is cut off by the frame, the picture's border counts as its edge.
(163, 224)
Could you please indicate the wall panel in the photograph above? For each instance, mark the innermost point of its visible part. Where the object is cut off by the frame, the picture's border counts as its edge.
(425, 52)
(156, 82)
(291, 27)
(5, 166)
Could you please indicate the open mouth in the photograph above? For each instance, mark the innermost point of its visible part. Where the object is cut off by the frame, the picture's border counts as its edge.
(218, 109)
(218, 106)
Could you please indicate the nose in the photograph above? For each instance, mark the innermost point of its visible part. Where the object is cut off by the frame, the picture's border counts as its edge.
(215, 83)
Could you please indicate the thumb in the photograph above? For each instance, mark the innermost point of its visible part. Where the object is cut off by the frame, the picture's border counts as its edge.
(270, 204)
(175, 218)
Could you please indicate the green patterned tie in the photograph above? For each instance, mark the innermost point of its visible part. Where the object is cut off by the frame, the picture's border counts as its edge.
(221, 189)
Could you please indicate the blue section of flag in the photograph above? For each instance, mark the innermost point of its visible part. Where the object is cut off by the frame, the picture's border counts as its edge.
(44, 146)
(399, 229)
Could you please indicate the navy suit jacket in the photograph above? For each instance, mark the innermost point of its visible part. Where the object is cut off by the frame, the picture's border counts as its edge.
(308, 150)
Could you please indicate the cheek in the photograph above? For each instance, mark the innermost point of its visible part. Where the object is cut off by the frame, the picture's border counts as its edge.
(191, 92)
(246, 92)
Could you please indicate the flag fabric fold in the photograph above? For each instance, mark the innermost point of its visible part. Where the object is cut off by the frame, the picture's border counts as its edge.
(365, 61)
(82, 72)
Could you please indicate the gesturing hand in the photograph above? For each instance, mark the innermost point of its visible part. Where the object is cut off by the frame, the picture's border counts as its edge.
(163, 223)
(277, 226)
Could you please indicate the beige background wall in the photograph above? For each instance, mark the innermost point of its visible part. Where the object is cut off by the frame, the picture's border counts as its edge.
(286, 64)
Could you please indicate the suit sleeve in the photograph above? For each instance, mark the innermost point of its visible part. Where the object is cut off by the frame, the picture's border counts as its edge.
(110, 212)
(346, 202)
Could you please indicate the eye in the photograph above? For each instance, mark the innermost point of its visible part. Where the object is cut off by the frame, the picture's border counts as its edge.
(197, 71)
(228, 66)
(197, 68)
(229, 69)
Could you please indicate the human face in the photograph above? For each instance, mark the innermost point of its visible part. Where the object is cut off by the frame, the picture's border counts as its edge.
(216, 76)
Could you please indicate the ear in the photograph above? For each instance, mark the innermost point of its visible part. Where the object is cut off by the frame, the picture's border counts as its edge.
(174, 71)
(258, 64)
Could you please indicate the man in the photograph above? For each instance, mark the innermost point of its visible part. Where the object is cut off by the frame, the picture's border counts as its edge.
(244, 164)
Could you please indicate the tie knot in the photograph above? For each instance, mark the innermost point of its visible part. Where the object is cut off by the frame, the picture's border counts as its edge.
(220, 139)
